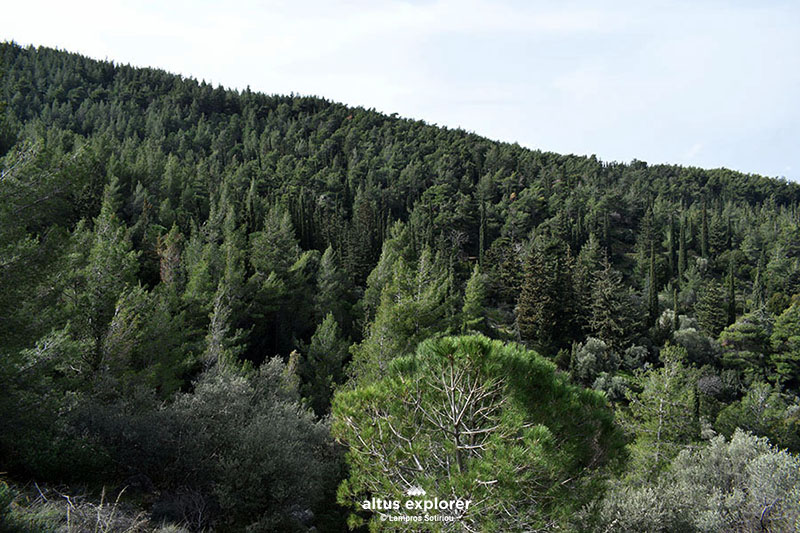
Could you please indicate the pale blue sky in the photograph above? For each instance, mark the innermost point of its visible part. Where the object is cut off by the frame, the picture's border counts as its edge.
(703, 83)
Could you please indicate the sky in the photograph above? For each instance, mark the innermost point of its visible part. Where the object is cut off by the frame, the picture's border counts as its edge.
(699, 83)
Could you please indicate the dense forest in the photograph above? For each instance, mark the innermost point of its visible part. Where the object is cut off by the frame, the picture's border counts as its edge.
(227, 311)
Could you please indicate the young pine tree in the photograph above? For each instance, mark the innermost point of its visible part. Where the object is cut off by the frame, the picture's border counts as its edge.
(472, 313)
(546, 304)
(710, 309)
(322, 368)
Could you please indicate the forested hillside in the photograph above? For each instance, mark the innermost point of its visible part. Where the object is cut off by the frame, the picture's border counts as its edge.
(224, 302)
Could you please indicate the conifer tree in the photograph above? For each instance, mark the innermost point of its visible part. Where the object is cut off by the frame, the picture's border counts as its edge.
(675, 317)
(586, 265)
(652, 287)
(704, 232)
(611, 309)
(545, 308)
(322, 368)
(681, 248)
(746, 345)
(663, 415)
(671, 260)
(109, 269)
(472, 313)
(710, 309)
(785, 341)
(331, 295)
(413, 305)
(731, 295)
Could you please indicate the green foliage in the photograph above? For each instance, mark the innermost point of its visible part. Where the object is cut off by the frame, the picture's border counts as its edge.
(744, 484)
(746, 345)
(663, 415)
(765, 411)
(710, 309)
(155, 229)
(323, 368)
(545, 309)
(473, 311)
(415, 304)
(612, 310)
(590, 358)
(785, 341)
(481, 420)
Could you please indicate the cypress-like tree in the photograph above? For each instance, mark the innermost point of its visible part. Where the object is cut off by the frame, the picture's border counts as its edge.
(731, 295)
(681, 248)
(671, 247)
(652, 292)
(675, 318)
(704, 232)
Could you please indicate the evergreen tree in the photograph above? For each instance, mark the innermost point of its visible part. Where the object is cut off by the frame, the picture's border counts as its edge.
(472, 313)
(414, 305)
(466, 415)
(652, 288)
(611, 319)
(275, 248)
(332, 294)
(101, 276)
(785, 340)
(675, 315)
(731, 295)
(322, 369)
(746, 345)
(587, 264)
(681, 248)
(663, 416)
(710, 309)
(545, 308)
(704, 232)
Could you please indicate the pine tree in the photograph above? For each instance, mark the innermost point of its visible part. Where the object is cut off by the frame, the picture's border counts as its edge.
(663, 415)
(322, 369)
(482, 231)
(413, 305)
(785, 341)
(611, 309)
(169, 251)
(332, 288)
(710, 309)
(363, 236)
(109, 269)
(586, 265)
(275, 248)
(759, 290)
(545, 308)
(472, 313)
(746, 345)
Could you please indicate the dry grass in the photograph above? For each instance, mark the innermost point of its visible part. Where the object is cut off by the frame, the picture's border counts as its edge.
(52, 511)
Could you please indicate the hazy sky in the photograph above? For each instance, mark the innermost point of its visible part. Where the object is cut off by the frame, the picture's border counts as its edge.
(705, 83)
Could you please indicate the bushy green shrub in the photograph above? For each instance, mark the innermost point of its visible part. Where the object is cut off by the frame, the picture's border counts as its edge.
(741, 484)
